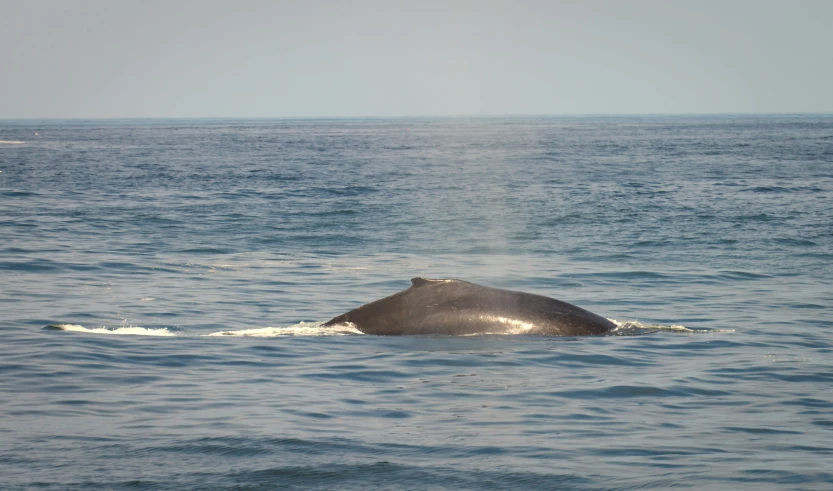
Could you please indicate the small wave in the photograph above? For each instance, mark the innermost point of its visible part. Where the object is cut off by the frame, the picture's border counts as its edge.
(129, 330)
(636, 328)
(11, 142)
(300, 329)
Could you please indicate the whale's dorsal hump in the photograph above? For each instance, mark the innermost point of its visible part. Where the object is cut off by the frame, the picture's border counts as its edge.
(418, 282)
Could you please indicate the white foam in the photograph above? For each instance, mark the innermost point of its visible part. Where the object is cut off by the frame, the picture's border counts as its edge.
(626, 328)
(128, 330)
(12, 142)
(300, 329)
(632, 328)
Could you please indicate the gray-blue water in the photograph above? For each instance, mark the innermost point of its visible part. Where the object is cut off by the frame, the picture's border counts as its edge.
(141, 238)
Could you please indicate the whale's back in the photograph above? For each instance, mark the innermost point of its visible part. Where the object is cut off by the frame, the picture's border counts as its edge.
(457, 307)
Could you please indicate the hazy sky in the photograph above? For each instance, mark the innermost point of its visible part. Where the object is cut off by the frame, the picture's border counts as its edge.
(249, 58)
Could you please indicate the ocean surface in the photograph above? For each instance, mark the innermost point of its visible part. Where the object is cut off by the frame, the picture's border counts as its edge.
(163, 282)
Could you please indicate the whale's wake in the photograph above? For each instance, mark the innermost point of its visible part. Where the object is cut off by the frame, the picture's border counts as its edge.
(636, 328)
(121, 330)
(627, 328)
(300, 329)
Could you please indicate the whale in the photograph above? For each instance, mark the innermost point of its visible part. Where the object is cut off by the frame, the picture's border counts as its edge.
(456, 307)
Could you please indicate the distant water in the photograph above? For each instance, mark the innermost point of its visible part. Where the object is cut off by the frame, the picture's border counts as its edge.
(162, 286)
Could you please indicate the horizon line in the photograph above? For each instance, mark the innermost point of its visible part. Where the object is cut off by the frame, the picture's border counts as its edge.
(447, 116)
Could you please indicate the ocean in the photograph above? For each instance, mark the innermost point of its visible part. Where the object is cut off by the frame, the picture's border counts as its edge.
(163, 282)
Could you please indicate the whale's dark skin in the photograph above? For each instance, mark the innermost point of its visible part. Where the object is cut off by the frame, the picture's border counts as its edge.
(455, 307)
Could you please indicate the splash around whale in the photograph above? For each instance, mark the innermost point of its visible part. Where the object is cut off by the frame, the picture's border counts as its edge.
(456, 307)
